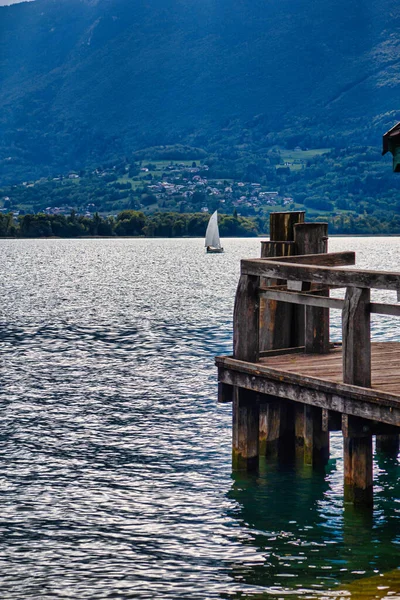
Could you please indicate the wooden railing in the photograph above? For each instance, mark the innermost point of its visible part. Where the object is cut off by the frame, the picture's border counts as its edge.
(308, 281)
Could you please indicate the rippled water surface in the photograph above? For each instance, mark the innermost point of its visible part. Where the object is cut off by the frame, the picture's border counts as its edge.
(115, 457)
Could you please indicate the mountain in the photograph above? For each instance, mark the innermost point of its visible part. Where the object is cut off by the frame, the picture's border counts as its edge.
(86, 80)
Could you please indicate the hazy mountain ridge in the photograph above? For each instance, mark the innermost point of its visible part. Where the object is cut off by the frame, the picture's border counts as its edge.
(86, 80)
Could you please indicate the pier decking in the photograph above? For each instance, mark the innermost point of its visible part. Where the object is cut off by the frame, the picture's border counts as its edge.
(290, 386)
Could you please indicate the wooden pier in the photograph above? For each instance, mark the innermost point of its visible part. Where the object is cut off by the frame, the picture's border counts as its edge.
(290, 386)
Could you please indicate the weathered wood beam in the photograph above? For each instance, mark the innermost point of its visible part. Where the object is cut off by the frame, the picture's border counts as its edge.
(245, 426)
(356, 336)
(384, 309)
(360, 278)
(353, 426)
(331, 259)
(246, 319)
(308, 299)
(281, 351)
(305, 299)
(342, 398)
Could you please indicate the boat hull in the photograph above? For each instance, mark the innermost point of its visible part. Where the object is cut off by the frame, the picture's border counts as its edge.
(214, 250)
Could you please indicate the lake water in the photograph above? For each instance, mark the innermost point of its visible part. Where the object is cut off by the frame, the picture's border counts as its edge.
(115, 474)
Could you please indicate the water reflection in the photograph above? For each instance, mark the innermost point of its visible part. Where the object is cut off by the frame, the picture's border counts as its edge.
(308, 542)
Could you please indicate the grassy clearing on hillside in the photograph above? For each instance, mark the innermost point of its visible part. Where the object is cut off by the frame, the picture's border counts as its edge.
(296, 158)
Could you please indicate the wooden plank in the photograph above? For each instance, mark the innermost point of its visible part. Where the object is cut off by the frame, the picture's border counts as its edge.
(356, 426)
(246, 318)
(297, 350)
(384, 309)
(343, 389)
(245, 425)
(304, 299)
(323, 275)
(374, 409)
(273, 374)
(356, 336)
(281, 351)
(332, 259)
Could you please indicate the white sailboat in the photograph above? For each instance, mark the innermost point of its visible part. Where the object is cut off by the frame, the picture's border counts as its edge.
(212, 242)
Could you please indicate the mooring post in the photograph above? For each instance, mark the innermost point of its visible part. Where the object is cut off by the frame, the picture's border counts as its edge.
(277, 331)
(357, 448)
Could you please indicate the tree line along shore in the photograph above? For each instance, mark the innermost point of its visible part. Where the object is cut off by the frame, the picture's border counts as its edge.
(164, 224)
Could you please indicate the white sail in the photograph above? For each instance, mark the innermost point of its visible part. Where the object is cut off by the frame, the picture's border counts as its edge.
(212, 233)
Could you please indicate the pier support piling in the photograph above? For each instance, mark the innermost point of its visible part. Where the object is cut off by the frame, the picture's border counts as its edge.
(245, 427)
(357, 455)
(316, 440)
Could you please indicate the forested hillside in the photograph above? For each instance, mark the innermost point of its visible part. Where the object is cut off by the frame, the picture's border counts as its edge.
(86, 81)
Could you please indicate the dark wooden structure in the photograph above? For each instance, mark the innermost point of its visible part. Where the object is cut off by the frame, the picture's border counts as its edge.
(289, 385)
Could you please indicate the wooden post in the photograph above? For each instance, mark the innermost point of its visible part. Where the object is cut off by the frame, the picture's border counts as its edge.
(357, 449)
(245, 426)
(281, 225)
(312, 238)
(276, 331)
(356, 336)
(272, 312)
(276, 428)
(246, 319)
(316, 440)
(245, 409)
